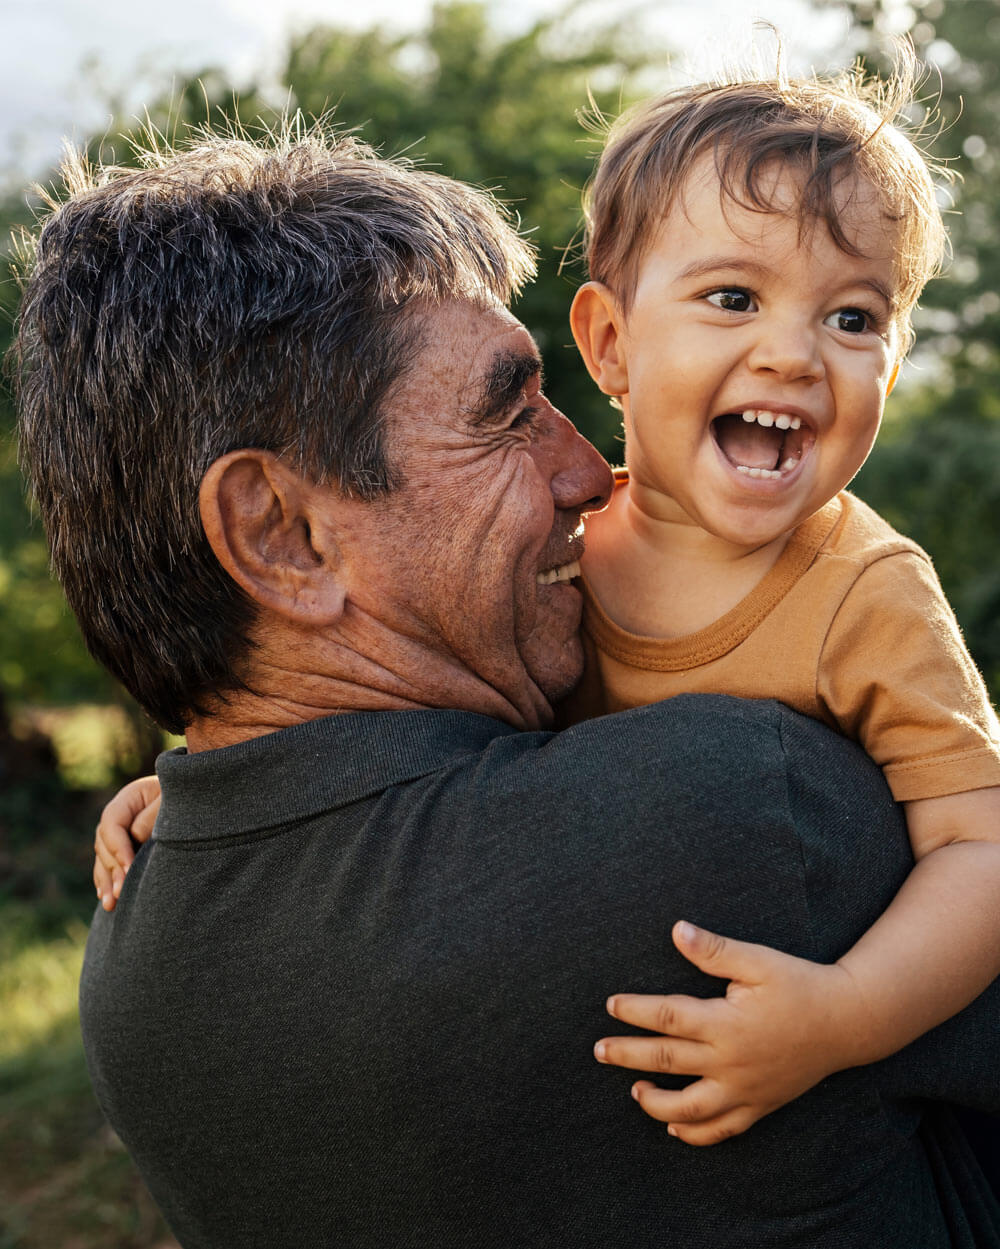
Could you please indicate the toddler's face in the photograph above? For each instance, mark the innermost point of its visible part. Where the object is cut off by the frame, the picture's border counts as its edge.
(757, 362)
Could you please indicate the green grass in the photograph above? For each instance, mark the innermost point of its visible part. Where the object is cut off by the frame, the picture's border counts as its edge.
(65, 1180)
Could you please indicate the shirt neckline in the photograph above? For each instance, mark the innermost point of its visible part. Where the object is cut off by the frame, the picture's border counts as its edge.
(298, 772)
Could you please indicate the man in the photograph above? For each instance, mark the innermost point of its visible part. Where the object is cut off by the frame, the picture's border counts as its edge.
(310, 504)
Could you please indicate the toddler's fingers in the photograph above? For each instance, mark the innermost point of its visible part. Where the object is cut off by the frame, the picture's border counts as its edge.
(658, 1053)
(142, 825)
(113, 846)
(725, 957)
(700, 1102)
(103, 883)
(124, 817)
(676, 1015)
(107, 849)
(715, 1130)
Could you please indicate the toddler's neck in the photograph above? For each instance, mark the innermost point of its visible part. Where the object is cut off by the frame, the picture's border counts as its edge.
(659, 575)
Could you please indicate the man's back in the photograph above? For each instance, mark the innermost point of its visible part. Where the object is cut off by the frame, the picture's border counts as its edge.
(351, 990)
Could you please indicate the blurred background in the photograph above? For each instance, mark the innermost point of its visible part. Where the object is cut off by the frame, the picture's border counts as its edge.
(491, 93)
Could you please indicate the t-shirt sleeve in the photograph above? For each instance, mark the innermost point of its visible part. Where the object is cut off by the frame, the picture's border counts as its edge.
(896, 676)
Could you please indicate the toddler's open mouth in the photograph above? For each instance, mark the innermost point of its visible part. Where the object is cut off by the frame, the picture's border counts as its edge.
(761, 443)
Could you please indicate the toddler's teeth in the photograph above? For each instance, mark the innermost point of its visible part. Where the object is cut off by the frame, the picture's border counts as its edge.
(750, 416)
(788, 465)
(796, 422)
(773, 473)
(765, 419)
(783, 422)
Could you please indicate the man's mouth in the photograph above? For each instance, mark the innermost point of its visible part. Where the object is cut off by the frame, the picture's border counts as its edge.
(566, 572)
(761, 443)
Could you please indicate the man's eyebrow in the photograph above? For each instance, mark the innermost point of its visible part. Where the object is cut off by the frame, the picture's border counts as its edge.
(503, 383)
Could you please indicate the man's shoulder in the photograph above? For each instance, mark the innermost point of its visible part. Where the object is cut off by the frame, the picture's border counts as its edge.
(708, 759)
(689, 735)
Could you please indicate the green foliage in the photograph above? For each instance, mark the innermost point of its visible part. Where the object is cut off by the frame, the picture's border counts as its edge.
(936, 477)
(935, 472)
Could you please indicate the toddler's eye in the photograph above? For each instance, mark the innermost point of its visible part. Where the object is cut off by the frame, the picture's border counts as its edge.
(850, 320)
(732, 300)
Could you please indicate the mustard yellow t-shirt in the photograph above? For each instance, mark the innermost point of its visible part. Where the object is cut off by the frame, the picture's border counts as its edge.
(850, 627)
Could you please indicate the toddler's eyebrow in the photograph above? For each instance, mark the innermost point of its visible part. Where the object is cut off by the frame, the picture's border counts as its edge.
(755, 270)
(711, 264)
(505, 379)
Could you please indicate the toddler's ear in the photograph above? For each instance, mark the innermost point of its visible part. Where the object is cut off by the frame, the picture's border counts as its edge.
(596, 321)
(892, 380)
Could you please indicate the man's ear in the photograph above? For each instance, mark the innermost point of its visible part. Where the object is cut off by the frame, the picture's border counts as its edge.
(260, 518)
(597, 324)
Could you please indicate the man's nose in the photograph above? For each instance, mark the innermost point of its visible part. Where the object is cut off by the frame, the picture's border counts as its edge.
(581, 479)
(787, 348)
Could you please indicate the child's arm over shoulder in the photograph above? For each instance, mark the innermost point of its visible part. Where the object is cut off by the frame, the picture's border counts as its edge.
(938, 944)
(128, 817)
(786, 1023)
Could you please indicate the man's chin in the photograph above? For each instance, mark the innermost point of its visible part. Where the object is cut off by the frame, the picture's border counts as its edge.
(556, 670)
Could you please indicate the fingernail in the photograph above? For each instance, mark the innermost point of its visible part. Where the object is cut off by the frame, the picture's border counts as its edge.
(600, 1049)
(635, 1092)
(671, 1130)
(610, 1004)
(686, 931)
(117, 888)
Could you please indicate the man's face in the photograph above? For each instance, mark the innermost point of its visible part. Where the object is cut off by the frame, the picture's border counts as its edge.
(470, 560)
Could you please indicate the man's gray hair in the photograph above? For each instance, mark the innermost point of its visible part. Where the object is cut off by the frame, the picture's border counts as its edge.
(229, 294)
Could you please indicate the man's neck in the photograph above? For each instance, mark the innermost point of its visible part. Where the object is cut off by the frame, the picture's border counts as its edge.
(333, 680)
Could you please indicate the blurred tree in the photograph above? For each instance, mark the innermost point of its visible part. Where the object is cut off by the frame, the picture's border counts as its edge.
(497, 111)
(935, 472)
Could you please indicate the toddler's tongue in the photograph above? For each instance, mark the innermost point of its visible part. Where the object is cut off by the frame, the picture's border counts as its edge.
(748, 444)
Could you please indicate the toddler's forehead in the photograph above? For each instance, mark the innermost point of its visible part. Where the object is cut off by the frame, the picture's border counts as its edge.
(747, 193)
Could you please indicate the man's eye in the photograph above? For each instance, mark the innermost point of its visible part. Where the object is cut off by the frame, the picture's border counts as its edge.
(850, 320)
(525, 418)
(732, 300)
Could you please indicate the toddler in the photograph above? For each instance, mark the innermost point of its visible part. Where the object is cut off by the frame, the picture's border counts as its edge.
(756, 250)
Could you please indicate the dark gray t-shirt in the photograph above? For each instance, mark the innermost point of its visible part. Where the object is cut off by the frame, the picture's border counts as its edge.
(351, 989)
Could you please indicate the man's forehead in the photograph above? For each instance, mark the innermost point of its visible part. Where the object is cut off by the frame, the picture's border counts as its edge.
(484, 355)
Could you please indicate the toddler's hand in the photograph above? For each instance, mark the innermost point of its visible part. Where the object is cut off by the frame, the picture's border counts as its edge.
(128, 817)
(782, 1026)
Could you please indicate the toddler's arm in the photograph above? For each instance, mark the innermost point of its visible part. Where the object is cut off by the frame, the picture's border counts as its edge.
(128, 817)
(786, 1023)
